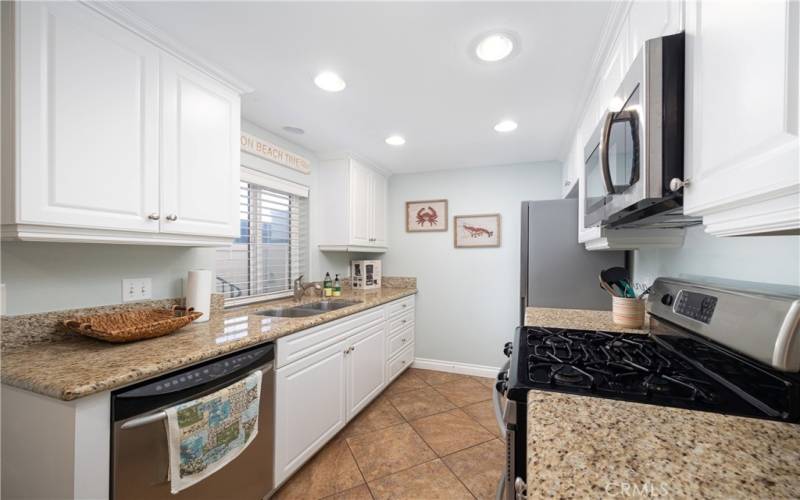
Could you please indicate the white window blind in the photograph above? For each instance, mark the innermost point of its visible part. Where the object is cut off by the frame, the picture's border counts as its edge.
(272, 248)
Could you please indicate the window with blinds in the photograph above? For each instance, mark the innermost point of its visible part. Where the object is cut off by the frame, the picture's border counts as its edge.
(272, 248)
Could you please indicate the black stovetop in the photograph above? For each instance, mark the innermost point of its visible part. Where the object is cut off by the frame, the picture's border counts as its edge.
(668, 370)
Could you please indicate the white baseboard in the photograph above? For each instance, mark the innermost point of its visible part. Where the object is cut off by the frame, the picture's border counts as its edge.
(455, 367)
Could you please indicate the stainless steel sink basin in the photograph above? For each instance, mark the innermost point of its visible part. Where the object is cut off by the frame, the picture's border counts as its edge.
(329, 305)
(288, 312)
(306, 310)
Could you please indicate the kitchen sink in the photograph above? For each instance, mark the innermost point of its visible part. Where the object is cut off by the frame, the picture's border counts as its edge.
(329, 305)
(305, 310)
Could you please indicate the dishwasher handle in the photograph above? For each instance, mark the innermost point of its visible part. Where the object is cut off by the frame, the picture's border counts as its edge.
(162, 415)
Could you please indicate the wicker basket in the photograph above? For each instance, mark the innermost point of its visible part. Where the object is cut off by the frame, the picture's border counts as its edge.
(129, 326)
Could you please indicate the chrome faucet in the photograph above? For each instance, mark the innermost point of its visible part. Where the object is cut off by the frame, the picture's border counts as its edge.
(300, 288)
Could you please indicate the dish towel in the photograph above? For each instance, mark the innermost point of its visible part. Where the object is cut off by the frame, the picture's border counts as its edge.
(207, 433)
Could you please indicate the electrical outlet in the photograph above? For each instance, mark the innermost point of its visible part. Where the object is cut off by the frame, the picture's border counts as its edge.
(137, 289)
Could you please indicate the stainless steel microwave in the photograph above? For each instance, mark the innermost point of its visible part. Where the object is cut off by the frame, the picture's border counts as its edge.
(634, 159)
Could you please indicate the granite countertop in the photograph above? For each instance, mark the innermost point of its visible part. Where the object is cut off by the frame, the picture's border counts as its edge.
(587, 447)
(69, 366)
(580, 319)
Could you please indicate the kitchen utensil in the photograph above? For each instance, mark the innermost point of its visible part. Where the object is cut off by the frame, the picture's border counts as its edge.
(605, 286)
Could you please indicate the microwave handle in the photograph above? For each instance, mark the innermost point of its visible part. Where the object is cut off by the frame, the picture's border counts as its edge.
(605, 135)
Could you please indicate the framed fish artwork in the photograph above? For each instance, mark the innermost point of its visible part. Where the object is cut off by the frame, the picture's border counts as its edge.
(426, 216)
(476, 231)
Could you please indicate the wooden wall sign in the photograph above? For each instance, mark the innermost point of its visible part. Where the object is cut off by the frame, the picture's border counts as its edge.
(253, 145)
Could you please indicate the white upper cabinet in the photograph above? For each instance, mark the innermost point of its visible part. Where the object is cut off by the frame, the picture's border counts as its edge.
(113, 138)
(200, 140)
(742, 107)
(354, 207)
(87, 121)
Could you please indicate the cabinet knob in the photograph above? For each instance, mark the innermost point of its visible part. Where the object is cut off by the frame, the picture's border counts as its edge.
(172, 217)
(403, 341)
(404, 321)
(405, 305)
(678, 184)
(566, 183)
(153, 216)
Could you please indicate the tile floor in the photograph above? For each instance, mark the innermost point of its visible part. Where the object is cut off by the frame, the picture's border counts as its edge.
(430, 435)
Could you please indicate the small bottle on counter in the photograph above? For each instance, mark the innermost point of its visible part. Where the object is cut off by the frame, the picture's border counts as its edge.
(337, 287)
(327, 286)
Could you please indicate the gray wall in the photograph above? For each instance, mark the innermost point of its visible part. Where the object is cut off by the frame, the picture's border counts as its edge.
(468, 299)
(51, 276)
(768, 259)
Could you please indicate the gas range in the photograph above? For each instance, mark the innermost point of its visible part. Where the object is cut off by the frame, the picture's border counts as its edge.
(714, 346)
(666, 370)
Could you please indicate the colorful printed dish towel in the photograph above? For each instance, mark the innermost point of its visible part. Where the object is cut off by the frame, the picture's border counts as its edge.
(206, 434)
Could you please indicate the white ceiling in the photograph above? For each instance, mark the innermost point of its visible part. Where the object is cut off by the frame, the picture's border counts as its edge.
(409, 71)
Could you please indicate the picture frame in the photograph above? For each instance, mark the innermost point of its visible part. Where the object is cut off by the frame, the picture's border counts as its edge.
(426, 216)
(477, 231)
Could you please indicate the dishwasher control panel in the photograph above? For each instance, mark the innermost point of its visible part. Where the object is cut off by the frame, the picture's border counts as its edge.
(201, 374)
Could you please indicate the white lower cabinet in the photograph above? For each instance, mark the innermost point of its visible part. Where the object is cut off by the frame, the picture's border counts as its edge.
(327, 374)
(367, 368)
(310, 407)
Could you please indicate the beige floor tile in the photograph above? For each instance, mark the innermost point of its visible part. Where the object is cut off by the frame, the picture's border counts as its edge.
(420, 403)
(331, 470)
(433, 377)
(390, 450)
(357, 493)
(479, 467)
(380, 414)
(483, 412)
(449, 432)
(407, 381)
(464, 392)
(488, 382)
(429, 481)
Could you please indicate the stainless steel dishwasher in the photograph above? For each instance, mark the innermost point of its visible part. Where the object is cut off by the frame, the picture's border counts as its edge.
(140, 461)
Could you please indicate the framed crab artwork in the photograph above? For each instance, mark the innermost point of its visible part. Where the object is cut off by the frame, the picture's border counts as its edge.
(426, 216)
(476, 231)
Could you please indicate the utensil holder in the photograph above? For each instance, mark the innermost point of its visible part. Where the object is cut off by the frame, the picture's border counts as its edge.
(627, 312)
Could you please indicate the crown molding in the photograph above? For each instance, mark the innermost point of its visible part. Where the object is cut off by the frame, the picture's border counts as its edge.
(127, 19)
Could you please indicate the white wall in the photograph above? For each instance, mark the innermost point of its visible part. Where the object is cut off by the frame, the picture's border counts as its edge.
(42, 277)
(467, 306)
(767, 259)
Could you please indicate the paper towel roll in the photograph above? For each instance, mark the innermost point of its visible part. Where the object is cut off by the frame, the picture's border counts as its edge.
(198, 293)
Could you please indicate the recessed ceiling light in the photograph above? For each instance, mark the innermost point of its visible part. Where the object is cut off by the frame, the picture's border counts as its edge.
(329, 81)
(294, 130)
(494, 47)
(395, 140)
(506, 126)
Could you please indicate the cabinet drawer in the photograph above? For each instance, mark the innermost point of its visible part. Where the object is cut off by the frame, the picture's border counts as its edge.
(401, 362)
(402, 339)
(304, 343)
(400, 306)
(401, 322)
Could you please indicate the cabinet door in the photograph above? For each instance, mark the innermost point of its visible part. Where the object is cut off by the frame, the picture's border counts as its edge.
(200, 153)
(87, 115)
(742, 72)
(360, 215)
(378, 201)
(309, 407)
(366, 363)
(651, 19)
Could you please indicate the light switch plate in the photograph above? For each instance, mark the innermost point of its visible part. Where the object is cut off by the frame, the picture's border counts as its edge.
(134, 289)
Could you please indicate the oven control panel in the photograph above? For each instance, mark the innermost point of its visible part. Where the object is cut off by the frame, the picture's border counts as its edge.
(697, 306)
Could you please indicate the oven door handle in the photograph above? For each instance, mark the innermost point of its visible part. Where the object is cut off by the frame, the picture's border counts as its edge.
(605, 136)
(498, 411)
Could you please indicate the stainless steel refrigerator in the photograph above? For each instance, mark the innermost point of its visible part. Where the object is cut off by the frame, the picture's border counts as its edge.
(556, 270)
